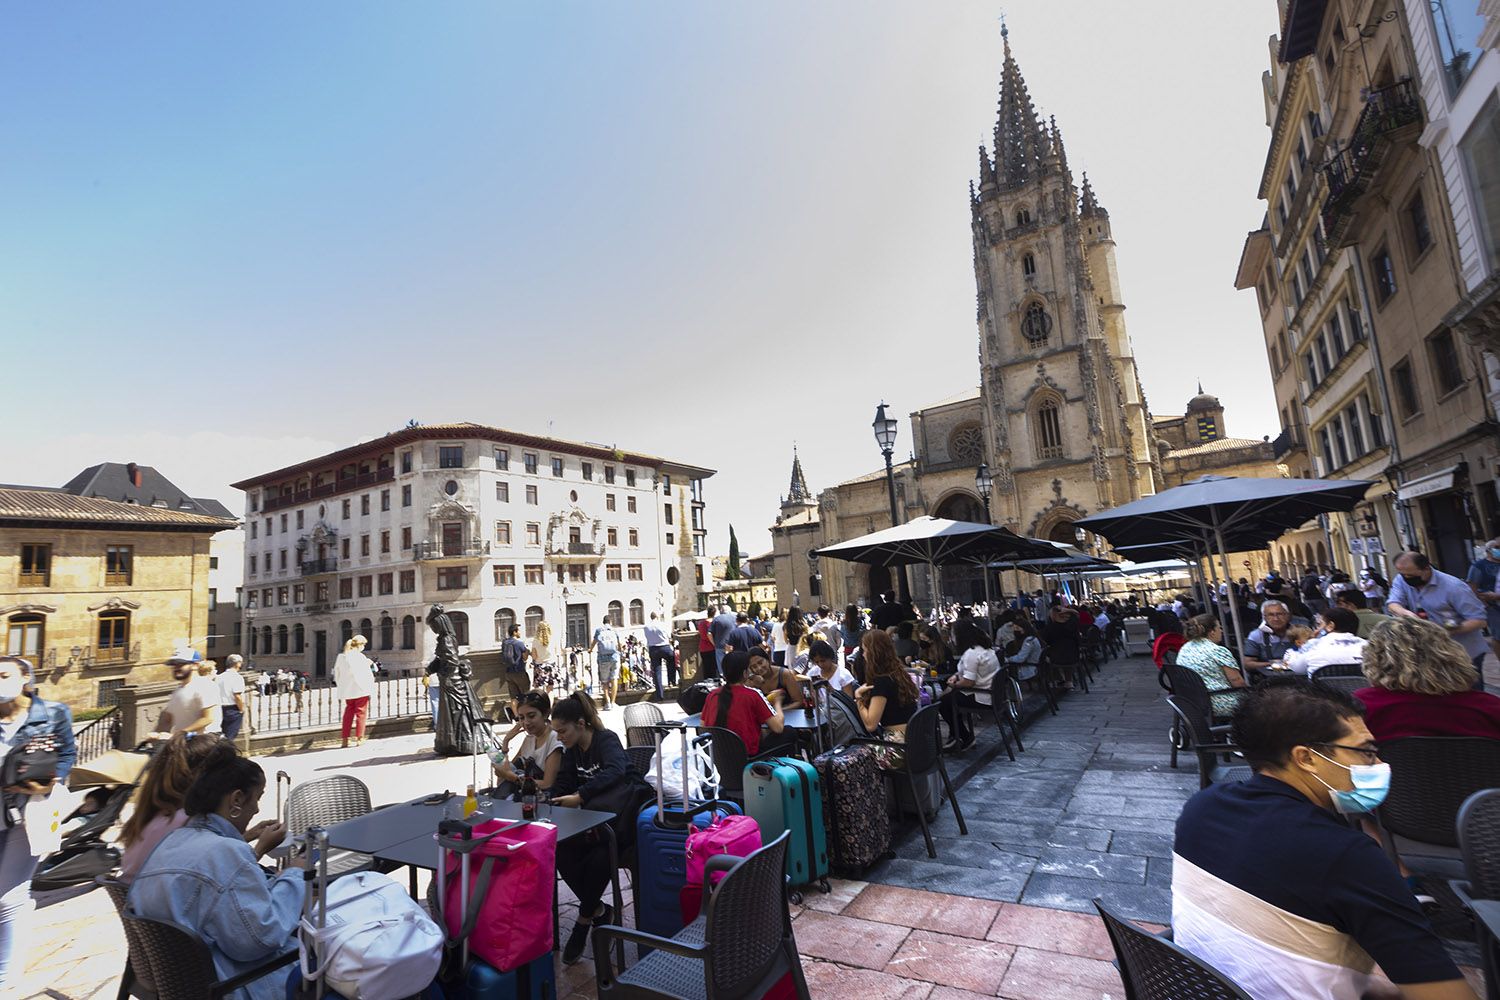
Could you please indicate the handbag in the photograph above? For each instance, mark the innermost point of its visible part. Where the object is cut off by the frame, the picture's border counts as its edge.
(374, 943)
(508, 922)
(34, 760)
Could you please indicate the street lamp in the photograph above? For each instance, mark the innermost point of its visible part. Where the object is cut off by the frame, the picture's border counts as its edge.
(885, 436)
(985, 484)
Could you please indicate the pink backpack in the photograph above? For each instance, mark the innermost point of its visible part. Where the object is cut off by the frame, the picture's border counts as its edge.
(509, 918)
(736, 835)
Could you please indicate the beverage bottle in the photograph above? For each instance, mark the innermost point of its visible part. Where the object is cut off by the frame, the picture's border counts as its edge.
(471, 803)
(528, 797)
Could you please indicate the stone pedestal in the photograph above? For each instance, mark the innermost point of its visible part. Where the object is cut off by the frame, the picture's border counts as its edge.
(140, 706)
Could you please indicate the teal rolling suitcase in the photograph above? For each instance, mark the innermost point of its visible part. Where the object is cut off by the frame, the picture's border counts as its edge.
(783, 793)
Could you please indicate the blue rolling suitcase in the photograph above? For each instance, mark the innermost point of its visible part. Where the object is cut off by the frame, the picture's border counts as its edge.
(661, 852)
(784, 793)
(536, 980)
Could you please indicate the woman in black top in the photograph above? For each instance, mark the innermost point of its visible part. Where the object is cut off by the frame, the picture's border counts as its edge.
(888, 698)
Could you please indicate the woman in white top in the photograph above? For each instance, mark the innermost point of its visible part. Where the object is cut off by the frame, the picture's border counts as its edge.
(539, 752)
(354, 676)
(970, 686)
(822, 660)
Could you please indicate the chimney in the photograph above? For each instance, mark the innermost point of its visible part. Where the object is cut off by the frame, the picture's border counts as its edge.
(134, 472)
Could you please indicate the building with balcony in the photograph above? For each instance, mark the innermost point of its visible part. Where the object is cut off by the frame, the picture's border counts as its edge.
(98, 593)
(498, 526)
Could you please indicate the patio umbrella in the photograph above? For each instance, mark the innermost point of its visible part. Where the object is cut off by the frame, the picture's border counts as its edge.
(1215, 509)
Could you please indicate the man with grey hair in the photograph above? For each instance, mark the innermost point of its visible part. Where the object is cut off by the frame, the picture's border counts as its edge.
(1269, 641)
(232, 695)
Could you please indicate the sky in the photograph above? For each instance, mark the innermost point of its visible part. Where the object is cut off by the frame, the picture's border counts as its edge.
(239, 236)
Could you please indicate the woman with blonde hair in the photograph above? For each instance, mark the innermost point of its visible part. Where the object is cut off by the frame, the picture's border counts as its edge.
(354, 676)
(1421, 685)
(1203, 655)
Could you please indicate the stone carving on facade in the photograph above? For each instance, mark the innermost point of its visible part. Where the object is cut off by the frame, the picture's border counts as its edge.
(115, 604)
(1101, 464)
(28, 609)
(560, 524)
(966, 444)
(1005, 479)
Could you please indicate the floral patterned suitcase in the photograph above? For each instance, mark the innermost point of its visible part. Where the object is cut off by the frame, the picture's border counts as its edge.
(854, 808)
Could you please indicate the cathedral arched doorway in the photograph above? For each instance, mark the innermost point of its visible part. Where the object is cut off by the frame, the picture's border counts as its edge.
(1063, 531)
(961, 583)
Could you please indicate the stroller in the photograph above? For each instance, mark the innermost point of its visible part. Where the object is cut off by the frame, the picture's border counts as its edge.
(108, 781)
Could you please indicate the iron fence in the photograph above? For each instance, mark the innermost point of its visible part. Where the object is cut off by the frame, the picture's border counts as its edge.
(319, 705)
(98, 736)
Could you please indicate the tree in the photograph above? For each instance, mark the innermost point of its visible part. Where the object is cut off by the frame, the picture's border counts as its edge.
(732, 572)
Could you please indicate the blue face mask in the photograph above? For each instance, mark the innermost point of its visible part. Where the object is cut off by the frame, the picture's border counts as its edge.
(1494, 553)
(1372, 782)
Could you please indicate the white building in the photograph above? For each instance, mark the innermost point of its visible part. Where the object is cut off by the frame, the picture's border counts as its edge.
(500, 527)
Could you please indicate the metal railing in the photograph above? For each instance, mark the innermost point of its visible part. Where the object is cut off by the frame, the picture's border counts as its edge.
(384, 474)
(441, 550)
(312, 567)
(1350, 169)
(1289, 440)
(320, 706)
(98, 736)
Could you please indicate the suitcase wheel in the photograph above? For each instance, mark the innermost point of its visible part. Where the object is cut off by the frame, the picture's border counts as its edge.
(824, 887)
(795, 896)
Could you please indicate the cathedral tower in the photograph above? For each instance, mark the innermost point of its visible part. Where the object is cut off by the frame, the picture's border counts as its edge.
(1066, 421)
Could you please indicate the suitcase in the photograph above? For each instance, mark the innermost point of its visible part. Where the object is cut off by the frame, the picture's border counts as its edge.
(854, 807)
(661, 852)
(784, 793)
(536, 980)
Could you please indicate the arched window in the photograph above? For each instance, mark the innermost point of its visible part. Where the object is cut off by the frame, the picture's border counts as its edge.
(26, 635)
(367, 630)
(1048, 431)
(387, 632)
(460, 626)
(408, 632)
(534, 616)
(637, 612)
(265, 640)
(299, 639)
(254, 641)
(346, 632)
(1036, 325)
(281, 637)
(1028, 265)
(616, 614)
(504, 619)
(1023, 216)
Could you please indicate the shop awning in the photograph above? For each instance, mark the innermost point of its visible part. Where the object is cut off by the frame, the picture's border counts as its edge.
(1438, 482)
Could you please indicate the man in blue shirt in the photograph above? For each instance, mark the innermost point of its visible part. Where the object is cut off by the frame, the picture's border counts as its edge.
(1273, 887)
(606, 649)
(1483, 579)
(719, 629)
(745, 635)
(514, 653)
(1424, 591)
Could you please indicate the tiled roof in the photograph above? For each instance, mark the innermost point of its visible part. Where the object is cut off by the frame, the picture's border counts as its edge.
(112, 481)
(24, 504)
(798, 519)
(878, 474)
(1214, 447)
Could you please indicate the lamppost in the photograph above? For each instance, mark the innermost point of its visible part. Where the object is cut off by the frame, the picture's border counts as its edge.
(885, 435)
(985, 484)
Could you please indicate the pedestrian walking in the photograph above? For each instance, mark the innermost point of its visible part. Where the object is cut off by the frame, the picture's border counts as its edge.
(606, 648)
(354, 678)
(663, 663)
(232, 696)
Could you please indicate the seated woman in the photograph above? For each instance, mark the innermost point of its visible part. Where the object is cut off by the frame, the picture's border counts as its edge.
(1420, 685)
(204, 877)
(1024, 651)
(1169, 637)
(907, 647)
(158, 802)
(933, 648)
(1203, 655)
(823, 661)
(888, 698)
(970, 687)
(1337, 641)
(742, 708)
(769, 679)
(594, 773)
(539, 753)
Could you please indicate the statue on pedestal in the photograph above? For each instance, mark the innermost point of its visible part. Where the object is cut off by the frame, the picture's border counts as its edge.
(459, 713)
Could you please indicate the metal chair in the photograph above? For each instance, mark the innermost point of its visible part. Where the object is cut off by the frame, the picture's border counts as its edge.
(1479, 842)
(740, 945)
(1431, 779)
(924, 755)
(999, 708)
(1348, 685)
(643, 713)
(1154, 968)
(1043, 678)
(326, 802)
(1342, 670)
(640, 759)
(1193, 711)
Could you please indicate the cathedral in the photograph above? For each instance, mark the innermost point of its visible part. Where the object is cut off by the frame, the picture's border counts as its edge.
(1058, 416)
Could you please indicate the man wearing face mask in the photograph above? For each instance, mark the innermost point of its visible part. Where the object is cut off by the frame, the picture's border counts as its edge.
(1421, 590)
(1273, 887)
(1484, 580)
(194, 706)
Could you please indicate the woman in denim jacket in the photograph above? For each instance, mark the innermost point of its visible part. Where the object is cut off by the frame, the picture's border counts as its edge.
(23, 717)
(204, 877)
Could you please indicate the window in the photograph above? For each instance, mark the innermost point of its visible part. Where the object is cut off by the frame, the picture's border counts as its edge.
(408, 581)
(282, 635)
(612, 573)
(667, 512)
(534, 574)
(25, 635)
(588, 471)
(385, 500)
(1028, 265)
(118, 560)
(1406, 390)
(386, 584)
(265, 562)
(612, 536)
(1458, 24)
(557, 466)
(505, 576)
(346, 588)
(609, 474)
(452, 577)
(1036, 325)
(534, 616)
(609, 501)
(114, 637)
(1445, 366)
(1356, 429)
(670, 538)
(387, 632)
(282, 555)
(299, 518)
(460, 626)
(1418, 229)
(578, 574)
(385, 542)
(1048, 431)
(406, 461)
(408, 632)
(406, 539)
(530, 459)
(633, 571)
(698, 574)
(502, 458)
(253, 527)
(364, 545)
(299, 593)
(450, 457)
(1336, 334)
(502, 492)
(504, 619)
(320, 591)
(1384, 271)
(629, 477)
(406, 495)
(616, 614)
(1324, 364)
(533, 533)
(347, 509)
(283, 524)
(1481, 156)
(1340, 445)
(36, 565)
(630, 504)
(239, 634)
(346, 632)
(366, 586)
(635, 538)
(1023, 216)
(502, 532)
(531, 495)
(637, 612)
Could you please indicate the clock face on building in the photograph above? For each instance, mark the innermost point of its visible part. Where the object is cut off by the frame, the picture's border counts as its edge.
(1208, 429)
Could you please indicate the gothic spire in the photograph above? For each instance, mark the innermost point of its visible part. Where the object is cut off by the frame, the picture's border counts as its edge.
(986, 170)
(1019, 143)
(1090, 205)
(799, 492)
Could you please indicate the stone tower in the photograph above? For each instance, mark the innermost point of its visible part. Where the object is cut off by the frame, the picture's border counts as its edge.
(1066, 422)
(798, 497)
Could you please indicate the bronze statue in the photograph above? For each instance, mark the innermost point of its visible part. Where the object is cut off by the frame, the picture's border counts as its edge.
(459, 712)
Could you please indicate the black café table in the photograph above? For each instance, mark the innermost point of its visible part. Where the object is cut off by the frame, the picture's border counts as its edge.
(795, 718)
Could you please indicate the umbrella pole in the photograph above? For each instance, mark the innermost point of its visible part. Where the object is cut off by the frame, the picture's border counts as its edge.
(1234, 605)
(988, 611)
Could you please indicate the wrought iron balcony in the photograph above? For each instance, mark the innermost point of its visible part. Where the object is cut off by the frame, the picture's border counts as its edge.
(1390, 116)
(315, 567)
(451, 550)
(1288, 441)
(384, 474)
(580, 551)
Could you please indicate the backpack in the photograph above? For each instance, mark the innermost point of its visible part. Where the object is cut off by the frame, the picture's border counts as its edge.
(515, 655)
(608, 642)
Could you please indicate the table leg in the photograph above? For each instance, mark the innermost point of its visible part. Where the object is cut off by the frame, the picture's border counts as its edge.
(411, 875)
(556, 922)
(614, 878)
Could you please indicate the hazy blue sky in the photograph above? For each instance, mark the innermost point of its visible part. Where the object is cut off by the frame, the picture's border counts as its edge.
(236, 235)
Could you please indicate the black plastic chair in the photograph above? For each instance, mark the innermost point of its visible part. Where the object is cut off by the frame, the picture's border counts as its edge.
(740, 945)
(730, 758)
(1342, 670)
(1044, 678)
(1193, 711)
(1154, 968)
(999, 709)
(1479, 843)
(643, 713)
(641, 758)
(924, 754)
(1431, 779)
(1348, 685)
(640, 736)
